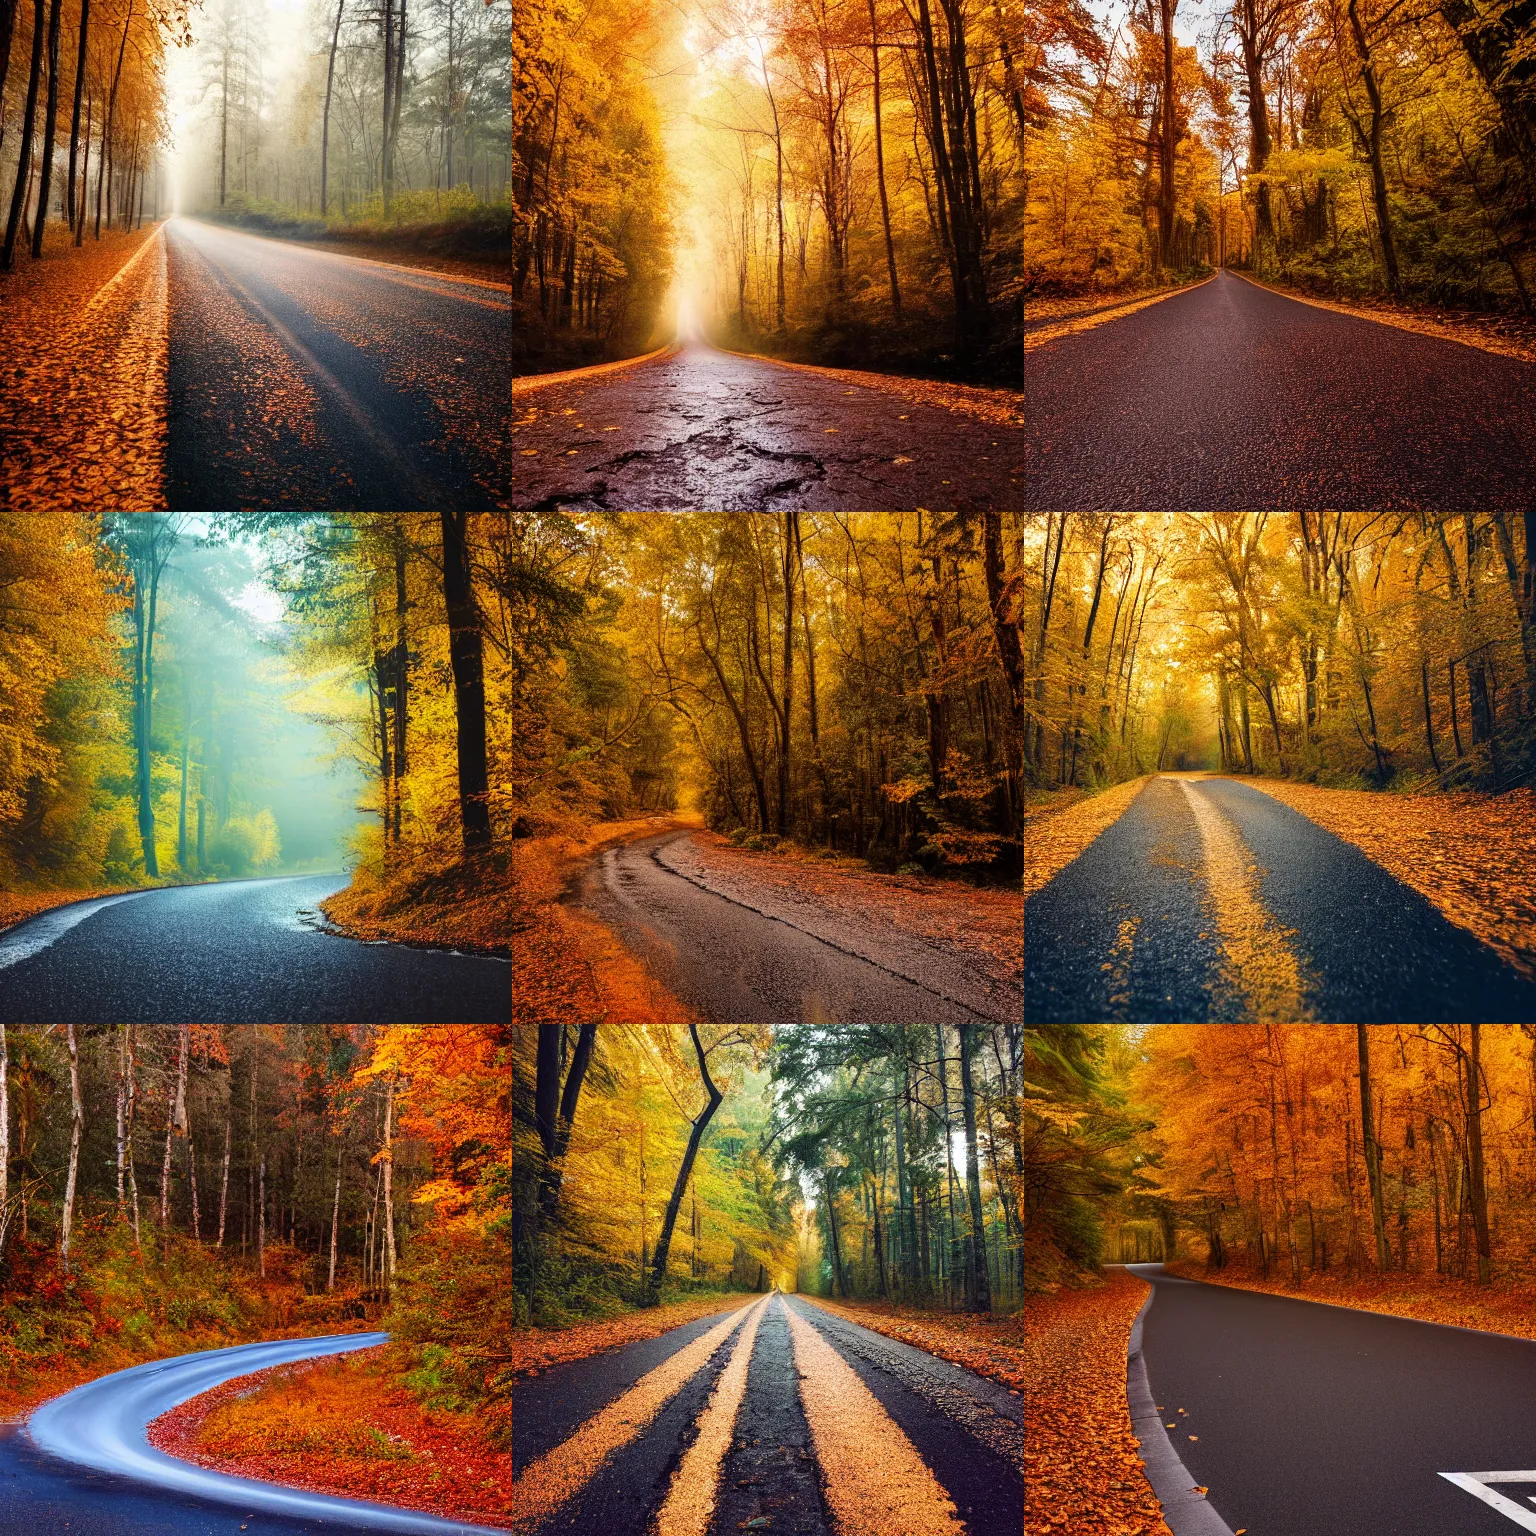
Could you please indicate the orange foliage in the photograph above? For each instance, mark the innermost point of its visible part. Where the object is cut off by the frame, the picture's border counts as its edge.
(535, 1350)
(1082, 1468)
(348, 1427)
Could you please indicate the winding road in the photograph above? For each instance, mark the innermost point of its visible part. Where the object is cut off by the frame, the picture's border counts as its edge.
(1209, 900)
(238, 951)
(84, 1463)
(765, 963)
(1310, 1420)
(696, 427)
(303, 378)
(1232, 397)
(777, 1417)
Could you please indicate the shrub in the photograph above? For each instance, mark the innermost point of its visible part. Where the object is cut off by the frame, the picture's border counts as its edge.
(737, 836)
(909, 868)
(755, 843)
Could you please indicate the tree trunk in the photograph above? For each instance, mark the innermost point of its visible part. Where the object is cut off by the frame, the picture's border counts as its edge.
(786, 698)
(24, 153)
(1372, 1150)
(229, 1116)
(261, 1219)
(341, 1147)
(389, 1189)
(74, 118)
(464, 646)
(1477, 1190)
(696, 1136)
(325, 117)
(76, 1128)
(1370, 141)
(133, 1183)
(122, 1104)
(979, 1298)
(885, 207)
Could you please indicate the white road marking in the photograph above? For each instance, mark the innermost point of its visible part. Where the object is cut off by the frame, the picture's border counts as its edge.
(37, 933)
(1476, 1483)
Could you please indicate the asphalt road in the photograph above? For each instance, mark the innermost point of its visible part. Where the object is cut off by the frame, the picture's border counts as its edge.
(233, 952)
(1231, 397)
(301, 378)
(697, 427)
(1312, 1420)
(84, 1463)
(960, 1436)
(737, 966)
(1210, 901)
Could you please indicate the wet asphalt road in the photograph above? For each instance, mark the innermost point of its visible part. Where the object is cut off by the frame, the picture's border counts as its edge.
(968, 1430)
(300, 378)
(1370, 949)
(1322, 1421)
(737, 966)
(701, 428)
(239, 952)
(1231, 397)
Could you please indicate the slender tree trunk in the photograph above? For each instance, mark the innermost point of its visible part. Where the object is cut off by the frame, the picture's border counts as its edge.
(389, 1197)
(465, 652)
(74, 119)
(24, 153)
(330, 1279)
(133, 1182)
(76, 1123)
(885, 207)
(1477, 1189)
(325, 119)
(122, 1105)
(229, 1118)
(696, 1136)
(261, 1219)
(980, 1297)
(1372, 1150)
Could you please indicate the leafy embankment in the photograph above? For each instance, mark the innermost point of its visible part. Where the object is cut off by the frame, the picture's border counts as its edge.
(988, 1345)
(535, 1350)
(1503, 1307)
(1082, 1468)
(118, 1309)
(434, 897)
(373, 1425)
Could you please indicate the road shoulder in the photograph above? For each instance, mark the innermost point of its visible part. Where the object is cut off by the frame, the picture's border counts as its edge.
(1054, 838)
(1070, 324)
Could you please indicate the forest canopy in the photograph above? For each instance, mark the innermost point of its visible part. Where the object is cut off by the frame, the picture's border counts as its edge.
(854, 682)
(1366, 648)
(1356, 148)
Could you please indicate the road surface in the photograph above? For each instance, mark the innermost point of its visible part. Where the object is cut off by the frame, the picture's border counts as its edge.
(301, 378)
(811, 1416)
(696, 427)
(238, 952)
(1210, 901)
(737, 965)
(1231, 397)
(1310, 1420)
(85, 1465)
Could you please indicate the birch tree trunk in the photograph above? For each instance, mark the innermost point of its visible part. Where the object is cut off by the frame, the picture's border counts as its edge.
(389, 1195)
(133, 1183)
(122, 1106)
(979, 1294)
(229, 1116)
(330, 1279)
(76, 1126)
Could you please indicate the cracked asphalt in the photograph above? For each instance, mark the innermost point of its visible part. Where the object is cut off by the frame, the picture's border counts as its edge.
(701, 428)
(302, 378)
(1232, 397)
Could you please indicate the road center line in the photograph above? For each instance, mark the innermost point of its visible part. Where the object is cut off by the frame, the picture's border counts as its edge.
(876, 1482)
(1260, 965)
(690, 1504)
(559, 1474)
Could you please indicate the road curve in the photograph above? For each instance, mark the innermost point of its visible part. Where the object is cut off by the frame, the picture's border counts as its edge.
(1210, 901)
(1233, 397)
(103, 1424)
(737, 966)
(238, 952)
(779, 1413)
(696, 427)
(1312, 1420)
(303, 378)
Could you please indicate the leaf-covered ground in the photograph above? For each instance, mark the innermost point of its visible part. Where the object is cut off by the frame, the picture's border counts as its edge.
(535, 1350)
(1472, 855)
(990, 1346)
(1499, 1308)
(353, 1427)
(1054, 835)
(18, 906)
(1082, 1468)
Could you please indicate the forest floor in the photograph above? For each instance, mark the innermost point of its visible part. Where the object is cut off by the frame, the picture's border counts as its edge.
(991, 1345)
(83, 373)
(1509, 335)
(496, 273)
(1473, 856)
(18, 906)
(983, 924)
(568, 968)
(353, 1426)
(114, 1311)
(1498, 1308)
(535, 1350)
(436, 898)
(1083, 1473)
(1060, 826)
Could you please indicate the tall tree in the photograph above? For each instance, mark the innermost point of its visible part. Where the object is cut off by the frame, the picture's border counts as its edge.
(466, 653)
